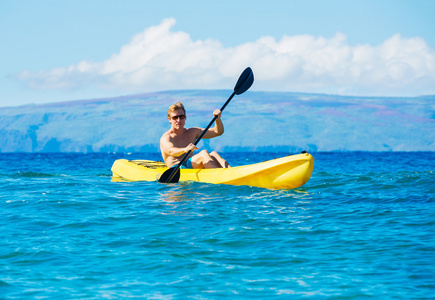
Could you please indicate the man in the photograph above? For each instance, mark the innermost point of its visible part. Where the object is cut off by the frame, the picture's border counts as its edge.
(177, 141)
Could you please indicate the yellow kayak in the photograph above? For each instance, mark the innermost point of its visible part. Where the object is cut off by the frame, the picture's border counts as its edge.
(280, 173)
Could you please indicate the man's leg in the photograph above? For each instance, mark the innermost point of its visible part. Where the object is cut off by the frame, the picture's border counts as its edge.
(203, 160)
(219, 160)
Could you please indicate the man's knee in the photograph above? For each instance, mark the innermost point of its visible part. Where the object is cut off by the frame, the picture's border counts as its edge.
(215, 155)
(204, 153)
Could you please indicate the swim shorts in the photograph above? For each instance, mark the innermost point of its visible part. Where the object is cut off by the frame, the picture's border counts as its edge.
(187, 164)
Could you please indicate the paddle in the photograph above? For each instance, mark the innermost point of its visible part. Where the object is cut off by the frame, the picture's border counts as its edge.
(245, 81)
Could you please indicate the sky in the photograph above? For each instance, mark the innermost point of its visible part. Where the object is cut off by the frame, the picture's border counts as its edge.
(53, 51)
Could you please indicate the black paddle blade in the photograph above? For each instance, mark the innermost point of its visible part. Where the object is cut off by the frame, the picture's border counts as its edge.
(245, 81)
(166, 176)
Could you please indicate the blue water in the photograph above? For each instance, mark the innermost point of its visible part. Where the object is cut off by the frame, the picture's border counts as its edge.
(362, 227)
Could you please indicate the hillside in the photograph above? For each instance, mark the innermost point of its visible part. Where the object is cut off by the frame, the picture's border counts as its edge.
(254, 121)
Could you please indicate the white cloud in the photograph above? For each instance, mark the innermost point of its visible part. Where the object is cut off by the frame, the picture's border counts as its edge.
(160, 59)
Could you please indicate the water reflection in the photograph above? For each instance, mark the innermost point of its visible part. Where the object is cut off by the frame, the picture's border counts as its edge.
(176, 193)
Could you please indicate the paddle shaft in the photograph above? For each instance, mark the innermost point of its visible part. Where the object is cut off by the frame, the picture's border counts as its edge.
(199, 138)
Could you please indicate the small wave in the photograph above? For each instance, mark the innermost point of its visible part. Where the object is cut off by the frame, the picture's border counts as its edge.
(33, 175)
(4, 284)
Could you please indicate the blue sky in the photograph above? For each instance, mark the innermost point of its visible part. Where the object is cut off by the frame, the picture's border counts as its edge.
(72, 49)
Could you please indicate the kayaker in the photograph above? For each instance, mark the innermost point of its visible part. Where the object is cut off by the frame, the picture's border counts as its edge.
(178, 140)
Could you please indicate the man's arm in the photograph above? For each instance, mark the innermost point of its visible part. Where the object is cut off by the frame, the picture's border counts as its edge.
(218, 128)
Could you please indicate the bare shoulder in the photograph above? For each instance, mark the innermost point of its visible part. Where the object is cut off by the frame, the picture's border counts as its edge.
(165, 136)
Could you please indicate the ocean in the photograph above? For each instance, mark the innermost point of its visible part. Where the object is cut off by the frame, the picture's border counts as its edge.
(363, 227)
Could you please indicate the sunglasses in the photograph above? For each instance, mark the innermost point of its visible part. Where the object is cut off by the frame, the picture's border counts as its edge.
(182, 117)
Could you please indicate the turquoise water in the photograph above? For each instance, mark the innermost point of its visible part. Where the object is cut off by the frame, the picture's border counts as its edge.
(362, 227)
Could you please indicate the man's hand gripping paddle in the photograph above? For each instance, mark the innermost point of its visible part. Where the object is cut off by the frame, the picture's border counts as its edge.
(245, 81)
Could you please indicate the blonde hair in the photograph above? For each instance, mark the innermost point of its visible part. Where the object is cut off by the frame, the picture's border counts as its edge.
(175, 107)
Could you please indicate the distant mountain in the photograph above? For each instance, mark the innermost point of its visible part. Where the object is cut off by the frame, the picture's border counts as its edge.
(254, 121)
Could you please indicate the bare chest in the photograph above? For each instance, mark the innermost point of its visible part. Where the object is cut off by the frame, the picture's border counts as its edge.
(184, 139)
